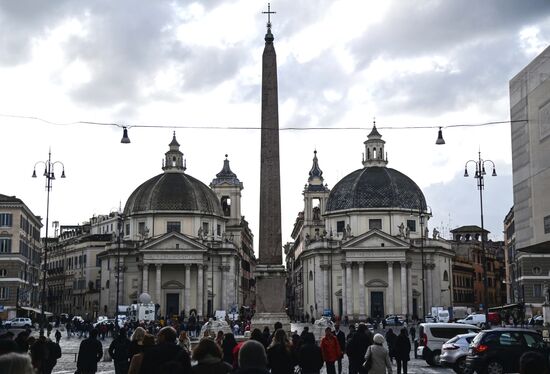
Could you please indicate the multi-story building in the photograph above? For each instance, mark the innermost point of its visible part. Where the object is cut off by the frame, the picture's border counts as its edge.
(20, 249)
(530, 128)
(468, 268)
(512, 287)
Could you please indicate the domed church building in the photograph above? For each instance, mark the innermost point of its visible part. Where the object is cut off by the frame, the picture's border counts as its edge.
(359, 248)
(182, 242)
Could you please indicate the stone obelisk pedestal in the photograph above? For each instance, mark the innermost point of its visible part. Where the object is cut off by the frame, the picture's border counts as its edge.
(270, 274)
(270, 297)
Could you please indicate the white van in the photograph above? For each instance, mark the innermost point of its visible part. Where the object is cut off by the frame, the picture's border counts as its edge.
(432, 336)
(473, 319)
(443, 316)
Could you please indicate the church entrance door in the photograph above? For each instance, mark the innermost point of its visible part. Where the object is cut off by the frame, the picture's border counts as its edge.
(377, 304)
(172, 304)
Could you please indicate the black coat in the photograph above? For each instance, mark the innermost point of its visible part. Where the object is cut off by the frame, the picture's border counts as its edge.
(356, 349)
(165, 354)
(89, 354)
(280, 360)
(119, 349)
(341, 340)
(310, 358)
(402, 347)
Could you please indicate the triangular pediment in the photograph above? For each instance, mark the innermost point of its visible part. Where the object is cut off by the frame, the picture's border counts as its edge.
(174, 241)
(376, 239)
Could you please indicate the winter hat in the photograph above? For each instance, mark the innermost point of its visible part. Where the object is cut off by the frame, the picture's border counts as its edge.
(378, 339)
(252, 356)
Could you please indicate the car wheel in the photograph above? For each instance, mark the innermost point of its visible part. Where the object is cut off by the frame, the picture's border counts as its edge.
(460, 366)
(494, 367)
(434, 358)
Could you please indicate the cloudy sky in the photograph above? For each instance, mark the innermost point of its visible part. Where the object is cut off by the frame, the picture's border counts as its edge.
(187, 66)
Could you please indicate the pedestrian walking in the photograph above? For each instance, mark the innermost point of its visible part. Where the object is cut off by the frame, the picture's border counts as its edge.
(330, 349)
(89, 354)
(184, 341)
(44, 355)
(136, 342)
(357, 347)
(119, 350)
(310, 358)
(228, 344)
(57, 336)
(147, 341)
(209, 356)
(390, 340)
(377, 359)
(252, 358)
(342, 341)
(279, 354)
(402, 351)
(166, 356)
(16, 363)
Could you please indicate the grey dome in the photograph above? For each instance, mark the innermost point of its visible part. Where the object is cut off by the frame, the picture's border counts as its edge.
(375, 187)
(173, 191)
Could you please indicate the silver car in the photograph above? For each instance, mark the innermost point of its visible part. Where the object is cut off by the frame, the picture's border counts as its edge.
(454, 352)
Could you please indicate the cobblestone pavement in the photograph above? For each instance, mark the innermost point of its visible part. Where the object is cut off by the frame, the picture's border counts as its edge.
(69, 347)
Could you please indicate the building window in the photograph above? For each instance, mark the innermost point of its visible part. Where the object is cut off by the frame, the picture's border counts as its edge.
(375, 224)
(3, 273)
(205, 228)
(537, 290)
(5, 245)
(141, 228)
(5, 219)
(310, 275)
(536, 270)
(547, 225)
(173, 226)
(107, 284)
(411, 224)
(4, 293)
(226, 205)
(218, 230)
(127, 229)
(445, 276)
(340, 225)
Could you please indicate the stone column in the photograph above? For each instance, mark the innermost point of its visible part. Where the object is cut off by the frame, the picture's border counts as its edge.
(222, 292)
(145, 278)
(158, 294)
(361, 290)
(349, 287)
(205, 289)
(403, 287)
(187, 290)
(232, 291)
(409, 288)
(326, 303)
(389, 293)
(200, 286)
(344, 292)
(429, 289)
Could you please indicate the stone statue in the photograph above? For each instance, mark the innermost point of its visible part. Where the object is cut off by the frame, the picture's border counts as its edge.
(316, 213)
(231, 237)
(307, 238)
(224, 236)
(407, 232)
(324, 233)
(402, 230)
(426, 232)
(435, 233)
(348, 229)
(199, 233)
(316, 235)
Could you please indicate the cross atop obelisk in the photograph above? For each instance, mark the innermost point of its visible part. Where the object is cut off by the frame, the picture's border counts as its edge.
(269, 13)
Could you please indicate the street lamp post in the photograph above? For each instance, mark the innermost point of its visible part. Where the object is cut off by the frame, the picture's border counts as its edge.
(50, 176)
(479, 175)
(119, 234)
(423, 264)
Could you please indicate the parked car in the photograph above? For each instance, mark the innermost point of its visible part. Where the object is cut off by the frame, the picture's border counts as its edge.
(394, 320)
(18, 323)
(429, 319)
(454, 352)
(443, 316)
(432, 336)
(499, 350)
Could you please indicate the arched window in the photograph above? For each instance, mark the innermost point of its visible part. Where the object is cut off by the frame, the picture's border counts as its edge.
(107, 284)
(310, 275)
(445, 276)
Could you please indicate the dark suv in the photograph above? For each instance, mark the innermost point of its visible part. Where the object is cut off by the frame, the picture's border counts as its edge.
(498, 351)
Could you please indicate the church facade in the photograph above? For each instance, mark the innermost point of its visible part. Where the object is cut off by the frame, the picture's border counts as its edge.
(182, 242)
(363, 248)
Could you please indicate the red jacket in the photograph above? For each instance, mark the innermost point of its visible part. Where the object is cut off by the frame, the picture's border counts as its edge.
(330, 349)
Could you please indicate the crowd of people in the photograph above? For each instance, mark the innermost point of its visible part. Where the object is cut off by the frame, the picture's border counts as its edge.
(143, 349)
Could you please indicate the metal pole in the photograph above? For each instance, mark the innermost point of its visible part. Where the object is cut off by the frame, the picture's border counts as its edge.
(119, 219)
(45, 270)
(484, 256)
(422, 260)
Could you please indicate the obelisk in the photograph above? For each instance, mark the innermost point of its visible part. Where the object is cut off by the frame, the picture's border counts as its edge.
(270, 273)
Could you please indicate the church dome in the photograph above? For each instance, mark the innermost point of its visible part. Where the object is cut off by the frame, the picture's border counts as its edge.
(173, 190)
(375, 187)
